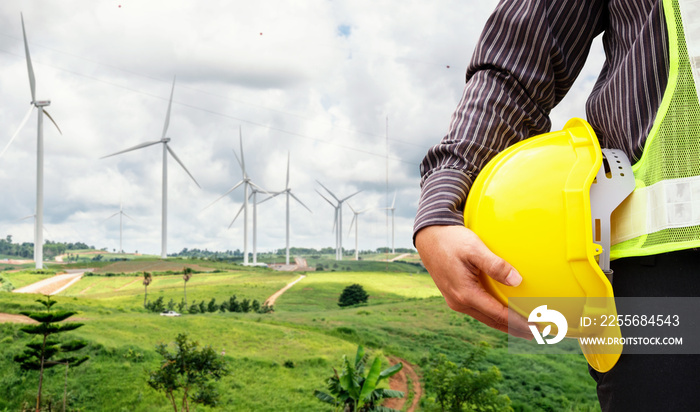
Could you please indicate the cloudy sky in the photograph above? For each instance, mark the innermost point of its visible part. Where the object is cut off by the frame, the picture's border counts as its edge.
(317, 79)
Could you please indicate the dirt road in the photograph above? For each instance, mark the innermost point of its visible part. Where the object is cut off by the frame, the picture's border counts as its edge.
(271, 300)
(53, 285)
(399, 257)
(399, 382)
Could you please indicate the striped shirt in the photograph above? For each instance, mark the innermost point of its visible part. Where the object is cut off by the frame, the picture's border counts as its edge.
(527, 59)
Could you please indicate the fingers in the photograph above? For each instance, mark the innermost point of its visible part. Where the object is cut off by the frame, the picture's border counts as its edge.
(488, 321)
(487, 262)
(454, 256)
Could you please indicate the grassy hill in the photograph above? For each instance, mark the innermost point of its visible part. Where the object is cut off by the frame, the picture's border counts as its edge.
(308, 332)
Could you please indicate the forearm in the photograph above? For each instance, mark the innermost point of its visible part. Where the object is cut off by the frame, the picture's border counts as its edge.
(526, 60)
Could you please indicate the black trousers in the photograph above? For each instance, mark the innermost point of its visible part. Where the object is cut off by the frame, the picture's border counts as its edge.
(653, 382)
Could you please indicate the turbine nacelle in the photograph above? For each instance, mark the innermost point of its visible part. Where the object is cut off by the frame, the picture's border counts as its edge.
(165, 140)
(41, 103)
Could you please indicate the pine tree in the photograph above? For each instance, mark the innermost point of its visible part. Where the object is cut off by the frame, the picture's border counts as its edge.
(40, 355)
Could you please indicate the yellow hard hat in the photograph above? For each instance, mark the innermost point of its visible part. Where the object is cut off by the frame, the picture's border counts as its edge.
(531, 205)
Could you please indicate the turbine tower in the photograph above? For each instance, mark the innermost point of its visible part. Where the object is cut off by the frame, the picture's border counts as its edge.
(247, 184)
(356, 218)
(166, 149)
(39, 105)
(339, 219)
(392, 208)
(121, 215)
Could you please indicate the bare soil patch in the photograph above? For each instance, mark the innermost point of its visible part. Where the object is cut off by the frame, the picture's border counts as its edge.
(10, 318)
(52, 285)
(399, 382)
(157, 266)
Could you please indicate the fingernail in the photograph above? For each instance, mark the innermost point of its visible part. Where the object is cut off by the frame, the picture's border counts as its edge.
(513, 278)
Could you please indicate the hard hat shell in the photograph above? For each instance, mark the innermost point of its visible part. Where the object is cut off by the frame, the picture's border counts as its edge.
(531, 206)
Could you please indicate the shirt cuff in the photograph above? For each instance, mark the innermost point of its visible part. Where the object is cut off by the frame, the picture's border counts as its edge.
(442, 199)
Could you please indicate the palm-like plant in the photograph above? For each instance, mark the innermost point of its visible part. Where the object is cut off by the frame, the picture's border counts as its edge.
(355, 392)
(146, 281)
(186, 275)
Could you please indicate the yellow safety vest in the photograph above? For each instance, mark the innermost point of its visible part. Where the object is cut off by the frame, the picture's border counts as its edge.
(663, 212)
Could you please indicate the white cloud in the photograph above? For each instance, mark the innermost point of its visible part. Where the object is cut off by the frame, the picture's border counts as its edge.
(318, 83)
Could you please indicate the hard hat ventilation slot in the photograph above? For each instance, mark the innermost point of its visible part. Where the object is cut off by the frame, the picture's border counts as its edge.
(606, 167)
(609, 190)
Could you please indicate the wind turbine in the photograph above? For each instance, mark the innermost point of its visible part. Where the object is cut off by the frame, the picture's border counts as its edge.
(392, 208)
(356, 218)
(288, 192)
(339, 219)
(33, 217)
(121, 215)
(166, 149)
(39, 105)
(335, 221)
(247, 184)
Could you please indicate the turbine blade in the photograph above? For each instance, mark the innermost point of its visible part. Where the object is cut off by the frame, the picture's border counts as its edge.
(351, 223)
(260, 189)
(170, 105)
(335, 220)
(393, 202)
(273, 194)
(234, 219)
(287, 186)
(53, 121)
(300, 202)
(324, 198)
(21, 125)
(23, 218)
(351, 196)
(128, 216)
(224, 195)
(181, 164)
(138, 146)
(240, 140)
(331, 193)
(110, 217)
(30, 69)
(353, 210)
(239, 162)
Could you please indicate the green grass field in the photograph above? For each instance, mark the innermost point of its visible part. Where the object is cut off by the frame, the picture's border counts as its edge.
(405, 317)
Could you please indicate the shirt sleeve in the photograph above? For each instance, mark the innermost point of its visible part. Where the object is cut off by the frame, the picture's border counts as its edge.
(527, 58)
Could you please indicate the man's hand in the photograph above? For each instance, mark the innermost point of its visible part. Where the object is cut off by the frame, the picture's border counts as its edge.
(454, 257)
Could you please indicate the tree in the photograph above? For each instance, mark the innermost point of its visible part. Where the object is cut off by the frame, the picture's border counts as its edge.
(146, 281)
(353, 295)
(39, 355)
(186, 275)
(186, 370)
(356, 392)
(459, 387)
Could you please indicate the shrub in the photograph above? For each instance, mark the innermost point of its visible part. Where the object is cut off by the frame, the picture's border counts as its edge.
(157, 306)
(456, 387)
(353, 295)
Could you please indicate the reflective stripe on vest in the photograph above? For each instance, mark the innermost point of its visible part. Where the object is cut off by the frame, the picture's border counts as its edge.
(663, 213)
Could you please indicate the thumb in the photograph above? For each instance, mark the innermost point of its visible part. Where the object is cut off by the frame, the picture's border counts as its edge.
(494, 266)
